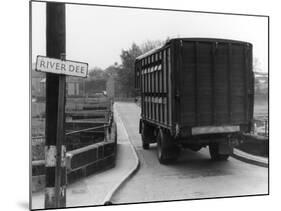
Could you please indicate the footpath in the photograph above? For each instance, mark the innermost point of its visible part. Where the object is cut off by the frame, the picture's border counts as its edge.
(98, 189)
(249, 158)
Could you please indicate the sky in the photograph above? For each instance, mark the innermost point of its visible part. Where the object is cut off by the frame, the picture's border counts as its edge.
(97, 35)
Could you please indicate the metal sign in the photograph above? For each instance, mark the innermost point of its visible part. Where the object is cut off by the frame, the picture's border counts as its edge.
(64, 67)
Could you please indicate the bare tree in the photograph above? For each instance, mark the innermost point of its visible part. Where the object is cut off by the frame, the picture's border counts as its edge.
(150, 44)
(256, 65)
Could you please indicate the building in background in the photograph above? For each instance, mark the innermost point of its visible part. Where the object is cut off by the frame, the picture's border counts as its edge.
(75, 86)
(38, 81)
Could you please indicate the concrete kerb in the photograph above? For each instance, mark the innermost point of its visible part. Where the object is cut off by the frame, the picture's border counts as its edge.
(133, 170)
(248, 158)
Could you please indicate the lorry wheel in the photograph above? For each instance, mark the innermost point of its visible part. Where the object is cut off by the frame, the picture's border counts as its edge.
(214, 152)
(167, 151)
(145, 140)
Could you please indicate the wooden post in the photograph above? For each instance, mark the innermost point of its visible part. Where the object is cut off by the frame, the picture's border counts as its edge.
(55, 190)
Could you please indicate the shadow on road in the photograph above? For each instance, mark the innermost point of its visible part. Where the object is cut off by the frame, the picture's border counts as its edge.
(195, 164)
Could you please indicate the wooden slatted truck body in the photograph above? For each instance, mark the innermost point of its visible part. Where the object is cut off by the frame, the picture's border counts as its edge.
(195, 92)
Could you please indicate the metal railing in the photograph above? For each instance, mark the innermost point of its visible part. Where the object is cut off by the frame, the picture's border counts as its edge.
(86, 151)
(76, 131)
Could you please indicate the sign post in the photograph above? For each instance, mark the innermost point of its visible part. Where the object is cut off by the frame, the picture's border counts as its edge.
(55, 190)
(56, 68)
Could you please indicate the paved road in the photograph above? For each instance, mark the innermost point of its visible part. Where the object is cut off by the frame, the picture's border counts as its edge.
(193, 176)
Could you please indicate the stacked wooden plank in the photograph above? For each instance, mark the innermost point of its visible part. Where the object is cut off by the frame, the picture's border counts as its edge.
(88, 113)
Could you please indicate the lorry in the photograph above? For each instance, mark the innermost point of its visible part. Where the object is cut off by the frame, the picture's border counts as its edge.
(195, 92)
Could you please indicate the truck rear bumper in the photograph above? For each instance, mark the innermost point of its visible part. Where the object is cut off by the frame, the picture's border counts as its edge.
(214, 129)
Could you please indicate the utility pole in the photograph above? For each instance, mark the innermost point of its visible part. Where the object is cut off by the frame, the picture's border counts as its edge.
(55, 190)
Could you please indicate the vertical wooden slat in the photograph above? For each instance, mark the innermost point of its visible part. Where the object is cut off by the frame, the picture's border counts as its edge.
(160, 110)
(165, 84)
(165, 109)
(152, 91)
(145, 90)
(152, 80)
(149, 80)
(169, 87)
(142, 91)
(147, 108)
(157, 110)
(148, 93)
(161, 87)
(145, 81)
(213, 79)
(251, 86)
(144, 106)
(229, 95)
(164, 72)
(156, 80)
(196, 53)
(160, 95)
(180, 81)
(150, 107)
(157, 92)
(246, 81)
(161, 80)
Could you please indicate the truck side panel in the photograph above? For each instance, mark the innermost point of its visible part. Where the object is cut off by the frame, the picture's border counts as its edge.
(153, 81)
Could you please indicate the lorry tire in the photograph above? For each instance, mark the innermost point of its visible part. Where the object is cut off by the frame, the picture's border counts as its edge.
(144, 138)
(167, 151)
(214, 153)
